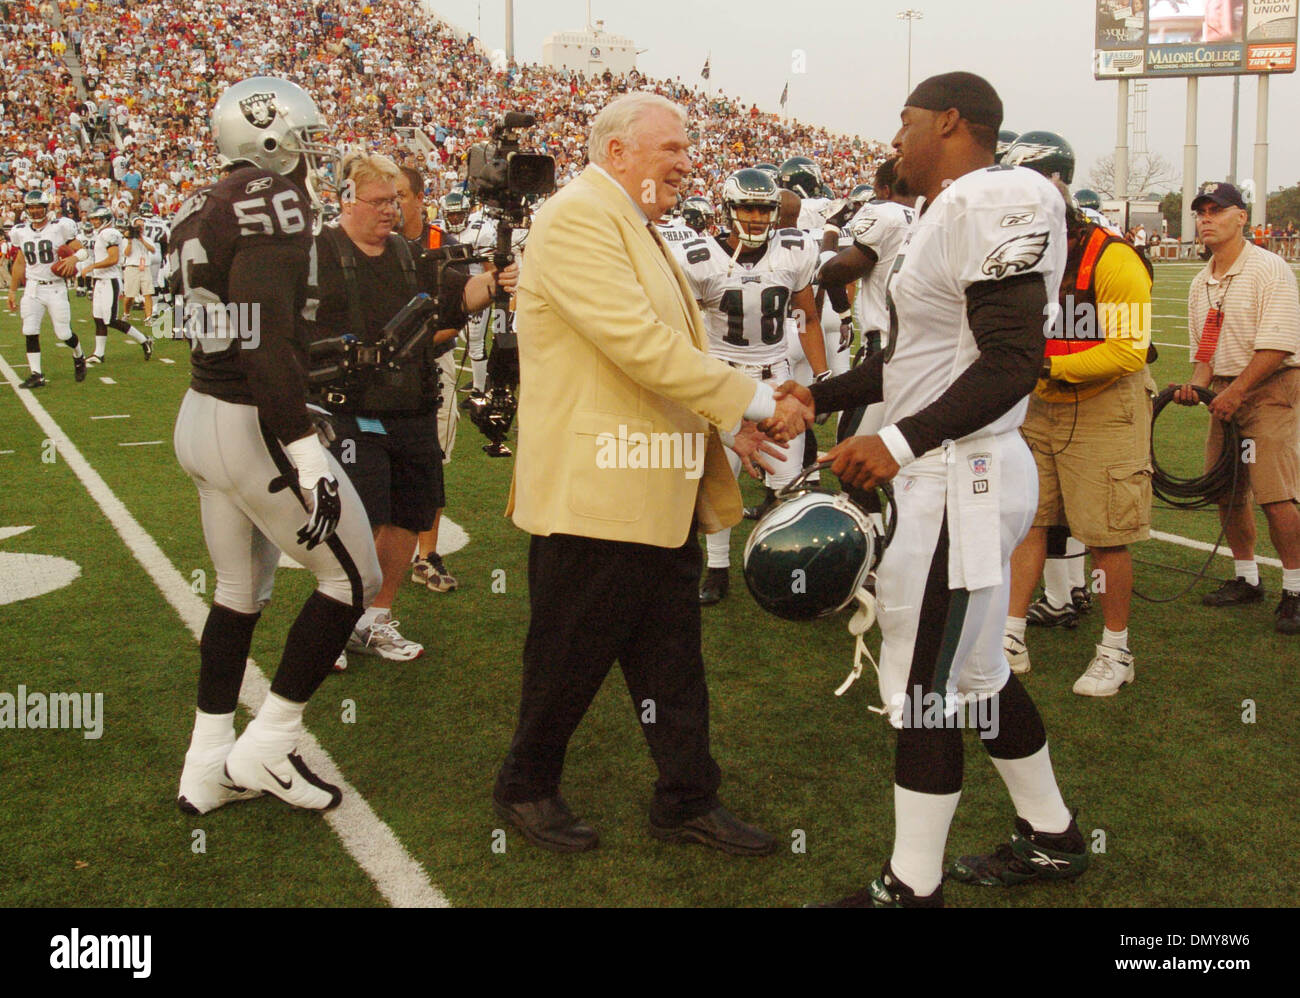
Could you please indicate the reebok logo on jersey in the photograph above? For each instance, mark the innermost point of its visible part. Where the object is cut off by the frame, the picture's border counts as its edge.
(262, 183)
(1017, 218)
(1017, 255)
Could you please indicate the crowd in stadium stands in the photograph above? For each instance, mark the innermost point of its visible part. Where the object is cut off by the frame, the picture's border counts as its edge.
(153, 70)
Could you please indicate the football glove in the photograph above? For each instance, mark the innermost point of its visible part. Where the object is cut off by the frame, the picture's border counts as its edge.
(318, 487)
(846, 333)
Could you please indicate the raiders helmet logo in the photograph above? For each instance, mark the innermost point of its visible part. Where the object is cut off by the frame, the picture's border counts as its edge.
(1017, 255)
(259, 109)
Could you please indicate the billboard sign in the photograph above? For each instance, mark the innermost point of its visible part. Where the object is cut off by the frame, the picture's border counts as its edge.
(1194, 37)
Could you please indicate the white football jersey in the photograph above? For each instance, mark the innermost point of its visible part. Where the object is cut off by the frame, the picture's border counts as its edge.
(156, 231)
(813, 213)
(105, 238)
(675, 231)
(745, 305)
(881, 227)
(480, 233)
(988, 225)
(41, 246)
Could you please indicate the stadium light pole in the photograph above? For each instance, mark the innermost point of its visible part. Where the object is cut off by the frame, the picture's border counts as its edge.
(909, 16)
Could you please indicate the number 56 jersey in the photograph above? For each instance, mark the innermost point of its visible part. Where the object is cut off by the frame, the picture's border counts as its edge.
(745, 301)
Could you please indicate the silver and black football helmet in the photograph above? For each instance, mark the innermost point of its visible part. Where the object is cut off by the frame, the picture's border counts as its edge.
(274, 124)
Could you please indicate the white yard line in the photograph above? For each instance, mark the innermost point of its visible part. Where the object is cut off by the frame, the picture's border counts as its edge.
(140, 443)
(108, 381)
(116, 416)
(399, 878)
(1224, 551)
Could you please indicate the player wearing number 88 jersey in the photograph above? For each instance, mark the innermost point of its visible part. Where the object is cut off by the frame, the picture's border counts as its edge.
(746, 282)
(40, 241)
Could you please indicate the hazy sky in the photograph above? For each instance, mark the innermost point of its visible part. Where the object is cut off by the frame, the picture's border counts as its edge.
(1038, 53)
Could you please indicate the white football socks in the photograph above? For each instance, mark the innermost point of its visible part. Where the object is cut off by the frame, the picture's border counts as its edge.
(920, 833)
(212, 730)
(1016, 627)
(1291, 580)
(34, 363)
(1114, 639)
(1033, 789)
(1247, 570)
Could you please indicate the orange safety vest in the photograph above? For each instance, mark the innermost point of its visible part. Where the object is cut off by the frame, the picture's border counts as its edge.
(1079, 287)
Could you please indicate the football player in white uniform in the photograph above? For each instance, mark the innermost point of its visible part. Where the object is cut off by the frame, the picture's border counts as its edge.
(969, 293)
(481, 234)
(877, 232)
(105, 272)
(38, 242)
(156, 233)
(674, 228)
(746, 283)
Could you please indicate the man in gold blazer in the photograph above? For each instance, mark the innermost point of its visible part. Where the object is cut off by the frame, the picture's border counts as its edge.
(622, 416)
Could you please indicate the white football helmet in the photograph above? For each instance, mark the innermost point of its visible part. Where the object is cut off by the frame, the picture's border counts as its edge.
(274, 124)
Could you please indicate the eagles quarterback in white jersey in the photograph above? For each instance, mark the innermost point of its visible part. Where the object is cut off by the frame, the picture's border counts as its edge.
(968, 298)
(39, 241)
(746, 283)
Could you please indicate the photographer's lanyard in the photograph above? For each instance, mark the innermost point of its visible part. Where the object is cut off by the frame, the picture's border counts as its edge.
(1213, 324)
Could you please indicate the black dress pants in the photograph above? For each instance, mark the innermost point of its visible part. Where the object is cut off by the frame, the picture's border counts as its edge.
(594, 601)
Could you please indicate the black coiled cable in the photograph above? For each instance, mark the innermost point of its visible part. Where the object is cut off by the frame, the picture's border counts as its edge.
(1203, 490)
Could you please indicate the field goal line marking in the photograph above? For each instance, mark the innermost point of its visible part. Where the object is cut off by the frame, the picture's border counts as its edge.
(374, 846)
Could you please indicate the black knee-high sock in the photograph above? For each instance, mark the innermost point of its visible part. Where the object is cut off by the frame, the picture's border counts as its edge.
(315, 640)
(1020, 731)
(223, 653)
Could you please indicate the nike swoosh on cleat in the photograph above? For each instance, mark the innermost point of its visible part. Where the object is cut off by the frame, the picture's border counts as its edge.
(277, 779)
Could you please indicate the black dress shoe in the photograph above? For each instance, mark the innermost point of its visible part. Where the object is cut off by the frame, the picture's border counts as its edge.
(1288, 613)
(716, 584)
(719, 829)
(1234, 592)
(549, 824)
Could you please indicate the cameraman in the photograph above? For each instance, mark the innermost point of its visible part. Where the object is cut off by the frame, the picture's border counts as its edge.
(386, 422)
(136, 281)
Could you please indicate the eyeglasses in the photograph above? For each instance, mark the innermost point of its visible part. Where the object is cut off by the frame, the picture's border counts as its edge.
(379, 204)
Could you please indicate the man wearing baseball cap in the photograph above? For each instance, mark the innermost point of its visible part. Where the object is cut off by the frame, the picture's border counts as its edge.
(1244, 316)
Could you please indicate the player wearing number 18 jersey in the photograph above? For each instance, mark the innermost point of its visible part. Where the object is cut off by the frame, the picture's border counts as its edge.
(746, 284)
(241, 255)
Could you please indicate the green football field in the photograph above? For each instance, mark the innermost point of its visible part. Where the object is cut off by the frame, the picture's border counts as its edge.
(1184, 781)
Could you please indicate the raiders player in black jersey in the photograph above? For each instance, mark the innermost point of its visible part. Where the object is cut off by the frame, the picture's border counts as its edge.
(240, 255)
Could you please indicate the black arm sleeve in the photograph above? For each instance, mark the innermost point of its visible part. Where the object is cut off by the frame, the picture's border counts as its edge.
(846, 266)
(839, 296)
(1006, 318)
(860, 386)
(266, 277)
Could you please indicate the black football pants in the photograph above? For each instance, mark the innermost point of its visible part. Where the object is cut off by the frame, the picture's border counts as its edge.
(594, 601)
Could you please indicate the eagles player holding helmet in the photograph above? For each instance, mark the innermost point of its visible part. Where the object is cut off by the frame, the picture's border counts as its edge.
(245, 435)
(745, 283)
(967, 298)
(40, 266)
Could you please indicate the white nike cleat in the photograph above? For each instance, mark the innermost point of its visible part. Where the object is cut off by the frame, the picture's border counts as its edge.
(1110, 669)
(204, 783)
(1017, 654)
(285, 776)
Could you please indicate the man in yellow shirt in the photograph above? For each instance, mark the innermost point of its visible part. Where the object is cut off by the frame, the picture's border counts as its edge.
(1089, 427)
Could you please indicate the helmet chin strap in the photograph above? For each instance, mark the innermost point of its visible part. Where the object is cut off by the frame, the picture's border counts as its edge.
(859, 624)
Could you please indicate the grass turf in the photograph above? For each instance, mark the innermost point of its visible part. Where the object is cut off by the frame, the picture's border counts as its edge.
(1190, 804)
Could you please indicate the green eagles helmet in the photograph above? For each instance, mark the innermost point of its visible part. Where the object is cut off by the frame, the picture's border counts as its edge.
(1045, 152)
(861, 194)
(1085, 198)
(1006, 139)
(100, 217)
(771, 168)
(698, 213)
(750, 189)
(37, 205)
(455, 203)
(810, 554)
(801, 175)
(146, 210)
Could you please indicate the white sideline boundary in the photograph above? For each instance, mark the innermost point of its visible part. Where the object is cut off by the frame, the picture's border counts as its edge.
(374, 846)
(1224, 552)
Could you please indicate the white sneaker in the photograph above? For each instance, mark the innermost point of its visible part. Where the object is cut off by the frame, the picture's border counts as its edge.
(341, 663)
(1110, 669)
(1017, 654)
(204, 784)
(285, 776)
(381, 638)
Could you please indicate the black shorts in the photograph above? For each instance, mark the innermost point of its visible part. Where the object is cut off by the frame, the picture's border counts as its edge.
(398, 473)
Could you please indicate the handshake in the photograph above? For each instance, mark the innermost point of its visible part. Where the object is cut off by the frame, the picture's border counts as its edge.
(858, 462)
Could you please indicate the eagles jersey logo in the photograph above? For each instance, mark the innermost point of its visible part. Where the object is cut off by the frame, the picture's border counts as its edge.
(861, 227)
(258, 109)
(1017, 255)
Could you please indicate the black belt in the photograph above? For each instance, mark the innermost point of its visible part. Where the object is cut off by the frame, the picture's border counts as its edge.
(766, 370)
